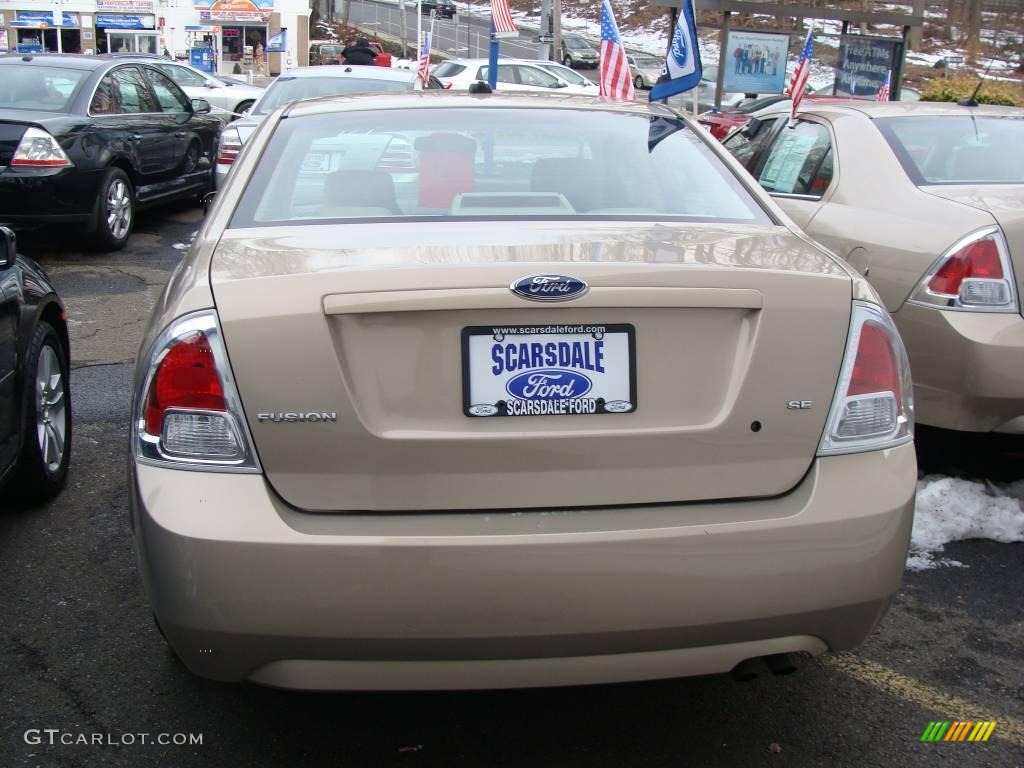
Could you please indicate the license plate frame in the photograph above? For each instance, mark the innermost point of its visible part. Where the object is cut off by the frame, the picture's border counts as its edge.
(619, 333)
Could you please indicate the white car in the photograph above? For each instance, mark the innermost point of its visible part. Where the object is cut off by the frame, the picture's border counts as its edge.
(228, 98)
(309, 83)
(513, 75)
(570, 76)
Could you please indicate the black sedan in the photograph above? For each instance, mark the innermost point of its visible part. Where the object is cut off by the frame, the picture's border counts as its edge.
(445, 9)
(35, 402)
(87, 141)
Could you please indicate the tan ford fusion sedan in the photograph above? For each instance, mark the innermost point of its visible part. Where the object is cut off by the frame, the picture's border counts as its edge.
(926, 201)
(559, 396)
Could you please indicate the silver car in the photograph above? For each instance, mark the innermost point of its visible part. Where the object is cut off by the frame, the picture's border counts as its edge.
(646, 69)
(229, 99)
(307, 83)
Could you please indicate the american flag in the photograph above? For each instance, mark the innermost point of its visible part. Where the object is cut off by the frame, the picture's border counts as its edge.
(423, 70)
(883, 92)
(502, 19)
(798, 85)
(616, 79)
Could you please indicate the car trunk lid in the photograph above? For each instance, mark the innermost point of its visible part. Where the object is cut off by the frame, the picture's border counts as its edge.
(730, 324)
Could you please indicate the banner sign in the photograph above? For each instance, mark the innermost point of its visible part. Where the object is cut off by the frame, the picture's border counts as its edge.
(125, 6)
(682, 69)
(3, 41)
(277, 43)
(864, 64)
(755, 62)
(37, 18)
(258, 16)
(234, 10)
(123, 21)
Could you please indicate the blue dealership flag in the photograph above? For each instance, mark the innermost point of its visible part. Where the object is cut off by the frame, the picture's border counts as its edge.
(682, 70)
(278, 43)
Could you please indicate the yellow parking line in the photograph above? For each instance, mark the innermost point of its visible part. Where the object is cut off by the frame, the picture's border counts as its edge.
(907, 688)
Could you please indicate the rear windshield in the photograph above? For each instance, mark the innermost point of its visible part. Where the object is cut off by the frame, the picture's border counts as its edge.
(648, 62)
(448, 69)
(490, 163)
(44, 88)
(958, 149)
(285, 89)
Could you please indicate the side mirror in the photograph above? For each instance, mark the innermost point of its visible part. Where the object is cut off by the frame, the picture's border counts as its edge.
(200, 107)
(8, 247)
(212, 84)
(560, 84)
(207, 200)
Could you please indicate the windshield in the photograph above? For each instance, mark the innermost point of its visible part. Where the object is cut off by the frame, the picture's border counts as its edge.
(577, 43)
(648, 62)
(527, 164)
(448, 69)
(44, 88)
(955, 149)
(285, 89)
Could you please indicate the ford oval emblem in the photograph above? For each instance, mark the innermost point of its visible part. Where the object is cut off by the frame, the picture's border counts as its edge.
(548, 384)
(549, 287)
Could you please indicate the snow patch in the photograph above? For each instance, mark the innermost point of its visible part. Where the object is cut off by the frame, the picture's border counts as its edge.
(951, 509)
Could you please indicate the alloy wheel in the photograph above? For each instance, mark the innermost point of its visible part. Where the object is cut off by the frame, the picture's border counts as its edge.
(119, 209)
(51, 413)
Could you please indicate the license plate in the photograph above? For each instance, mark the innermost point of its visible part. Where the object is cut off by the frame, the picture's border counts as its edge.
(317, 162)
(548, 370)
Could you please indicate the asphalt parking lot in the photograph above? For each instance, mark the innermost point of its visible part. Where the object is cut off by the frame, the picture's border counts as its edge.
(82, 655)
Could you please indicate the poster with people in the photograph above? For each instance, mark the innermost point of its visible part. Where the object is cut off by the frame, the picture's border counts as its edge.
(755, 62)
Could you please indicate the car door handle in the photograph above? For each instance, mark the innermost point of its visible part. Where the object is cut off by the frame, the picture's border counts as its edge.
(134, 137)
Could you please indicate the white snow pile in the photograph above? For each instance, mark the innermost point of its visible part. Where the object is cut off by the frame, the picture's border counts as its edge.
(951, 509)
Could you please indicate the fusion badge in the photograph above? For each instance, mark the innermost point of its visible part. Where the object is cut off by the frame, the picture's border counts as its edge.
(549, 287)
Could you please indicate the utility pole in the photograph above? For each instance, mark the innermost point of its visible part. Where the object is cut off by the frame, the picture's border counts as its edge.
(405, 31)
(544, 49)
(556, 31)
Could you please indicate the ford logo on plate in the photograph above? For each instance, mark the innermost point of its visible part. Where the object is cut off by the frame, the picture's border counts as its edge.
(550, 384)
(549, 287)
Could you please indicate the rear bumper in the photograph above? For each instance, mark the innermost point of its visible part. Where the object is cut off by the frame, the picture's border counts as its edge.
(968, 368)
(37, 198)
(248, 589)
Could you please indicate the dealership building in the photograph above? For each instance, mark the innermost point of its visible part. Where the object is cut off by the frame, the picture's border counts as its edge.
(234, 31)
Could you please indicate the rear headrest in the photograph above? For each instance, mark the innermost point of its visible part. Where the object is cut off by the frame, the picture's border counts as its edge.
(367, 189)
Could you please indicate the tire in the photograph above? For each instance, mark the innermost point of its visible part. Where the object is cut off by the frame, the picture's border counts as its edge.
(567, 61)
(115, 211)
(191, 160)
(46, 414)
(247, 104)
(638, 82)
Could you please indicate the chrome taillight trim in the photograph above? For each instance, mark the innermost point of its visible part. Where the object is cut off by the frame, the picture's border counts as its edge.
(147, 448)
(830, 444)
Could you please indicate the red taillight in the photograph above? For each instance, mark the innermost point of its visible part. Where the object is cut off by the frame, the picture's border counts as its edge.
(229, 148)
(873, 407)
(38, 149)
(874, 368)
(979, 259)
(187, 378)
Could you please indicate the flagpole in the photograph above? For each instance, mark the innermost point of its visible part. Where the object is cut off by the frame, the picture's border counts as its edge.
(419, 28)
(492, 60)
